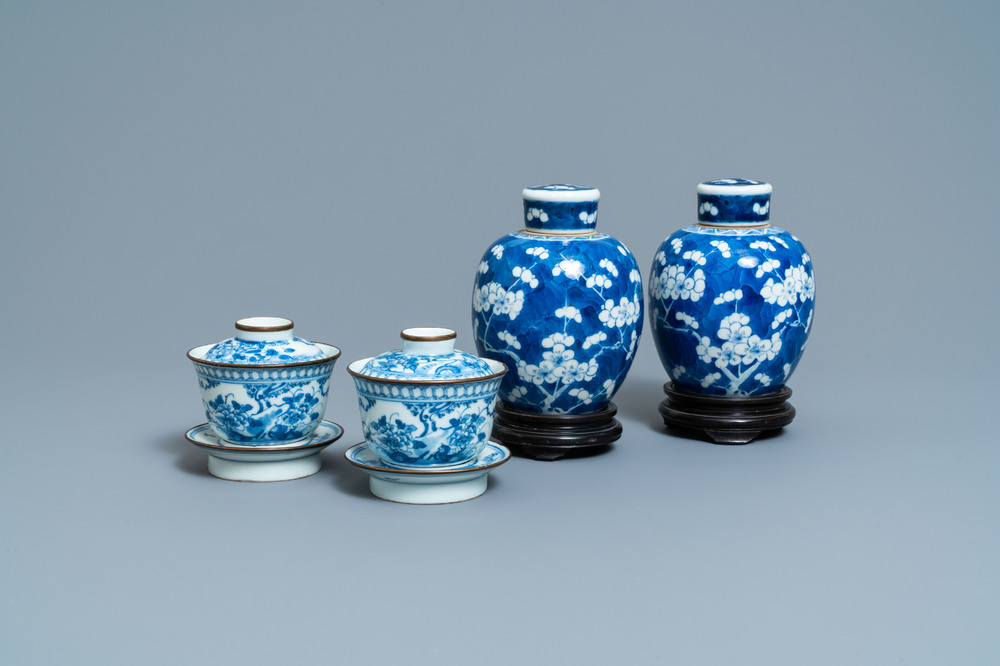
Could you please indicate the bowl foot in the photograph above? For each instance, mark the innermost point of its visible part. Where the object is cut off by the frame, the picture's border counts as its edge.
(555, 436)
(725, 420)
(440, 489)
(224, 466)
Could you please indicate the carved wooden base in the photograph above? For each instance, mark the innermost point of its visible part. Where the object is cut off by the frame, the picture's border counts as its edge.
(554, 436)
(726, 420)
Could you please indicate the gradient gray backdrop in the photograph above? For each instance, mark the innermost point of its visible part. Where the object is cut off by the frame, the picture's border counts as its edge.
(167, 168)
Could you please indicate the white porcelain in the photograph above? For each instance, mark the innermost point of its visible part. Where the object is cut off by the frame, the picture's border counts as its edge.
(406, 485)
(272, 463)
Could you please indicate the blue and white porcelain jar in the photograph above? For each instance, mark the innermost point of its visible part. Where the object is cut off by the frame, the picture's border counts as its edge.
(560, 305)
(264, 387)
(731, 297)
(426, 405)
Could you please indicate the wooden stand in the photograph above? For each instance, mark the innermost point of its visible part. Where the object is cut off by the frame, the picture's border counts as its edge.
(554, 436)
(726, 420)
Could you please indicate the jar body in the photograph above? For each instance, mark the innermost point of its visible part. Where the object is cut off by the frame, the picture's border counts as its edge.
(563, 313)
(731, 308)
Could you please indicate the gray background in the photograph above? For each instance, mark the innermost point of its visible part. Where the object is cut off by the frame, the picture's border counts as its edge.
(166, 170)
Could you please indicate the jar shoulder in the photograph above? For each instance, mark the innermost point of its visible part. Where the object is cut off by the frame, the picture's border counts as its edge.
(700, 245)
(550, 249)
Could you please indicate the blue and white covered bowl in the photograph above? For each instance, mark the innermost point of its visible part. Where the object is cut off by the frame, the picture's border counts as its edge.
(731, 298)
(427, 405)
(264, 386)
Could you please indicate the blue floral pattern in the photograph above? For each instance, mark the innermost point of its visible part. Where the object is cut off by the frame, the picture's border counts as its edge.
(267, 406)
(425, 425)
(731, 308)
(564, 313)
(250, 352)
(407, 365)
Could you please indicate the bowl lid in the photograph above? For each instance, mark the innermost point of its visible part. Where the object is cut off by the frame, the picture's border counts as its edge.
(428, 354)
(263, 341)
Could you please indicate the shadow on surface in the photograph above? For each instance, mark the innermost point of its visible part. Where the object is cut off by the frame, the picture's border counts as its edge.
(346, 477)
(639, 398)
(187, 457)
(699, 436)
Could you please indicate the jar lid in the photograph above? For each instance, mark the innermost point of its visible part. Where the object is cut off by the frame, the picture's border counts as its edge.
(263, 341)
(428, 354)
(735, 201)
(560, 209)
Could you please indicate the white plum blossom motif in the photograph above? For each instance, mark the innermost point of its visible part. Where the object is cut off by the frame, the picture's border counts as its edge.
(767, 267)
(706, 352)
(741, 359)
(616, 315)
(710, 379)
(687, 319)
(758, 349)
(571, 267)
(634, 276)
(674, 283)
(537, 214)
(502, 302)
(609, 267)
(581, 394)
(762, 210)
(796, 286)
(526, 276)
(509, 338)
(707, 207)
(587, 219)
(728, 296)
(598, 280)
(780, 318)
(518, 392)
(558, 339)
(631, 346)
(538, 252)
(497, 251)
(723, 247)
(734, 328)
(569, 312)
(594, 339)
(695, 256)
(483, 267)
(558, 364)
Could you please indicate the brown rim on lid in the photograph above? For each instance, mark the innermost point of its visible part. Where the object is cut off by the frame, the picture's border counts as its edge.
(264, 324)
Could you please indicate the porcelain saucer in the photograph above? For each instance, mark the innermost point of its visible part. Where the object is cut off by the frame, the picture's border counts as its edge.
(264, 463)
(455, 483)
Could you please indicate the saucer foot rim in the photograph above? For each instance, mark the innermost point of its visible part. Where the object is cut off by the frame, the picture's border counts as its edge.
(427, 493)
(264, 471)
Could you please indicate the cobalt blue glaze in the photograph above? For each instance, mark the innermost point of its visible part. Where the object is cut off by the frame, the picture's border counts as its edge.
(561, 308)
(731, 302)
(734, 200)
(560, 208)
